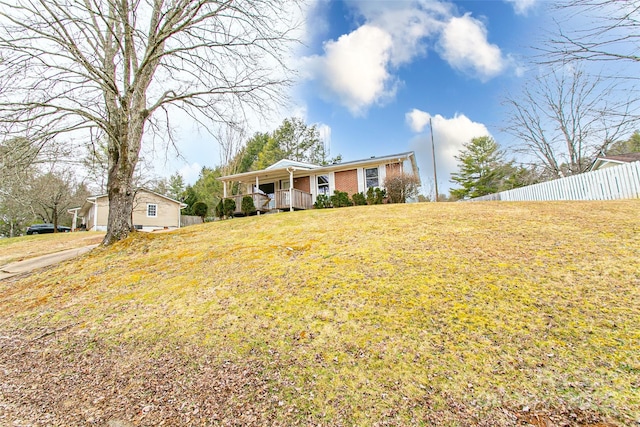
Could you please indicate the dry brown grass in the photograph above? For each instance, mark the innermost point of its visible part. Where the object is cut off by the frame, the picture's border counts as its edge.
(23, 247)
(449, 314)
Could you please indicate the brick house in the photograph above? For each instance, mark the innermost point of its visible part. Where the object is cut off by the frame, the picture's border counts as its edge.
(273, 188)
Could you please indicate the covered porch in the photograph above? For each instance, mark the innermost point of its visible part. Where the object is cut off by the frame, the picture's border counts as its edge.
(280, 201)
(283, 186)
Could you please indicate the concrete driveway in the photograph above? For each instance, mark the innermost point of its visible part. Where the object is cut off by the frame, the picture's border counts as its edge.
(28, 265)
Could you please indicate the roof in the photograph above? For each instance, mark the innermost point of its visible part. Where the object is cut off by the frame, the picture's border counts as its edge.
(286, 163)
(280, 168)
(618, 159)
(623, 158)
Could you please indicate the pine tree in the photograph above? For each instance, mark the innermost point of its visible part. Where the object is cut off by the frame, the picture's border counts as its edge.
(481, 169)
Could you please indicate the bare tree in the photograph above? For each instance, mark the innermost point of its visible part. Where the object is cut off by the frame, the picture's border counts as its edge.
(232, 140)
(611, 32)
(16, 209)
(402, 187)
(565, 118)
(115, 69)
(53, 193)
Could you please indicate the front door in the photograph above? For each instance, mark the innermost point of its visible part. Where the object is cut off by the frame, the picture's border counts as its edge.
(270, 190)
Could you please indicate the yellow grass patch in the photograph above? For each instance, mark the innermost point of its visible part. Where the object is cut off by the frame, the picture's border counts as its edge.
(381, 311)
(24, 247)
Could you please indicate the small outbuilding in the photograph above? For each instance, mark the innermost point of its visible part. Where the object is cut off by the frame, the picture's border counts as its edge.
(151, 211)
(604, 162)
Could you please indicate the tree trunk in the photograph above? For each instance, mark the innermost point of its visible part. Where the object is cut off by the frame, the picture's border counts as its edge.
(55, 218)
(120, 191)
(123, 152)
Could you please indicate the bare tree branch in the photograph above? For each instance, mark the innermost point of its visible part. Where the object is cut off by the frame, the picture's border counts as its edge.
(71, 67)
(565, 118)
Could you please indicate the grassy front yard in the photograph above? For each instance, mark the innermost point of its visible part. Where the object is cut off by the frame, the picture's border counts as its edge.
(427, 314)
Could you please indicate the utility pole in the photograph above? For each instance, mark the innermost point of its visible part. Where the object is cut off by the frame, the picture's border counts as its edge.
(433, 154)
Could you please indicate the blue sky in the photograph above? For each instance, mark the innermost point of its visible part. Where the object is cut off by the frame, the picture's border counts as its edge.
(373, 72)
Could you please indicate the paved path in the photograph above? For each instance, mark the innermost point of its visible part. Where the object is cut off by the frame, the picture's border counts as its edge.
(28, 265)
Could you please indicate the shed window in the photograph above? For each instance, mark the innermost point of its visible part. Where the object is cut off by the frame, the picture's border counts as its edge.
(371, 176)
(152, 210)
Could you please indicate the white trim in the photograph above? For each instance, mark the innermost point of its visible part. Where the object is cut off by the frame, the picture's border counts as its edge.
(382, 174)
(332, 183)
(94, 208)
(361, 180)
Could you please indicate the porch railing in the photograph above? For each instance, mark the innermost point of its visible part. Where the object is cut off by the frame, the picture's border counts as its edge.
(260, 201)
(301, 199)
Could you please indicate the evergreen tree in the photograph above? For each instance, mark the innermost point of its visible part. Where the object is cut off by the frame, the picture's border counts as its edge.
(176, 187)
(481, 169)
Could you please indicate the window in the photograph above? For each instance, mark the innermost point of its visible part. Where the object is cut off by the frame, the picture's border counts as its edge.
(371, 177)
(323, 184)
(152, 210)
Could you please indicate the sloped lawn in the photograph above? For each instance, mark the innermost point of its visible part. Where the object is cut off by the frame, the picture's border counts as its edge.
(23, 247)
(428, 314)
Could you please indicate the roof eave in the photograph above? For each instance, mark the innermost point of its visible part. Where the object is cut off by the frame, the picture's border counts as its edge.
(283, 172)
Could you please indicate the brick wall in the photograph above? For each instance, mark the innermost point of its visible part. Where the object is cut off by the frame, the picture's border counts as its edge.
(393, 169)
(302, 184)
(347, 181)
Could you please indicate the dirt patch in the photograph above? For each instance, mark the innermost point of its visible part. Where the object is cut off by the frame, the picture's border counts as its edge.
(66, 381)
(56, 377)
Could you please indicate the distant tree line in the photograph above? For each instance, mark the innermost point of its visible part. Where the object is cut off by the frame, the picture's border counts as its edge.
(35, 187)
(293, 139)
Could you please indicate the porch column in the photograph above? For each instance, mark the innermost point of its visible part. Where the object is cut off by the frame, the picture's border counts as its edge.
(258, 190)
(291, 190)
(224, 189)
(75, 220)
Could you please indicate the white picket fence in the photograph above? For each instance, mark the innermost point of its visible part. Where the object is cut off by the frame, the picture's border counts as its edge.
(619, 182)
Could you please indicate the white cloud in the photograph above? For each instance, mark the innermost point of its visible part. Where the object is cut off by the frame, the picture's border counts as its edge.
(521, 7)
(358, 69)
(465, 47)
(409, 23)
(417, 119)
(190, 173)
(354, 68)
(449, 134)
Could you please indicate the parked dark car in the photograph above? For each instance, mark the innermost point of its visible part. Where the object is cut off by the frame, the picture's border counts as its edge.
(46, 228)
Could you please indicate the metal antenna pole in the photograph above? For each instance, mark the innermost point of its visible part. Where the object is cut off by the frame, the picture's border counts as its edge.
(433, 154)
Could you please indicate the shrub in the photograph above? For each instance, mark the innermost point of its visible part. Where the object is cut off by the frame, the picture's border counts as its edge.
(401, 187)
(359, 199)
(228, 207)
(340, 199)
(220, 209)
(200, 209)
(322, 201)
(247, 207)
(375, 196)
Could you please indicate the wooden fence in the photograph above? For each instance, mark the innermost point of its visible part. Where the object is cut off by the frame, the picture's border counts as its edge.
(186, 220)
(618, 182)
